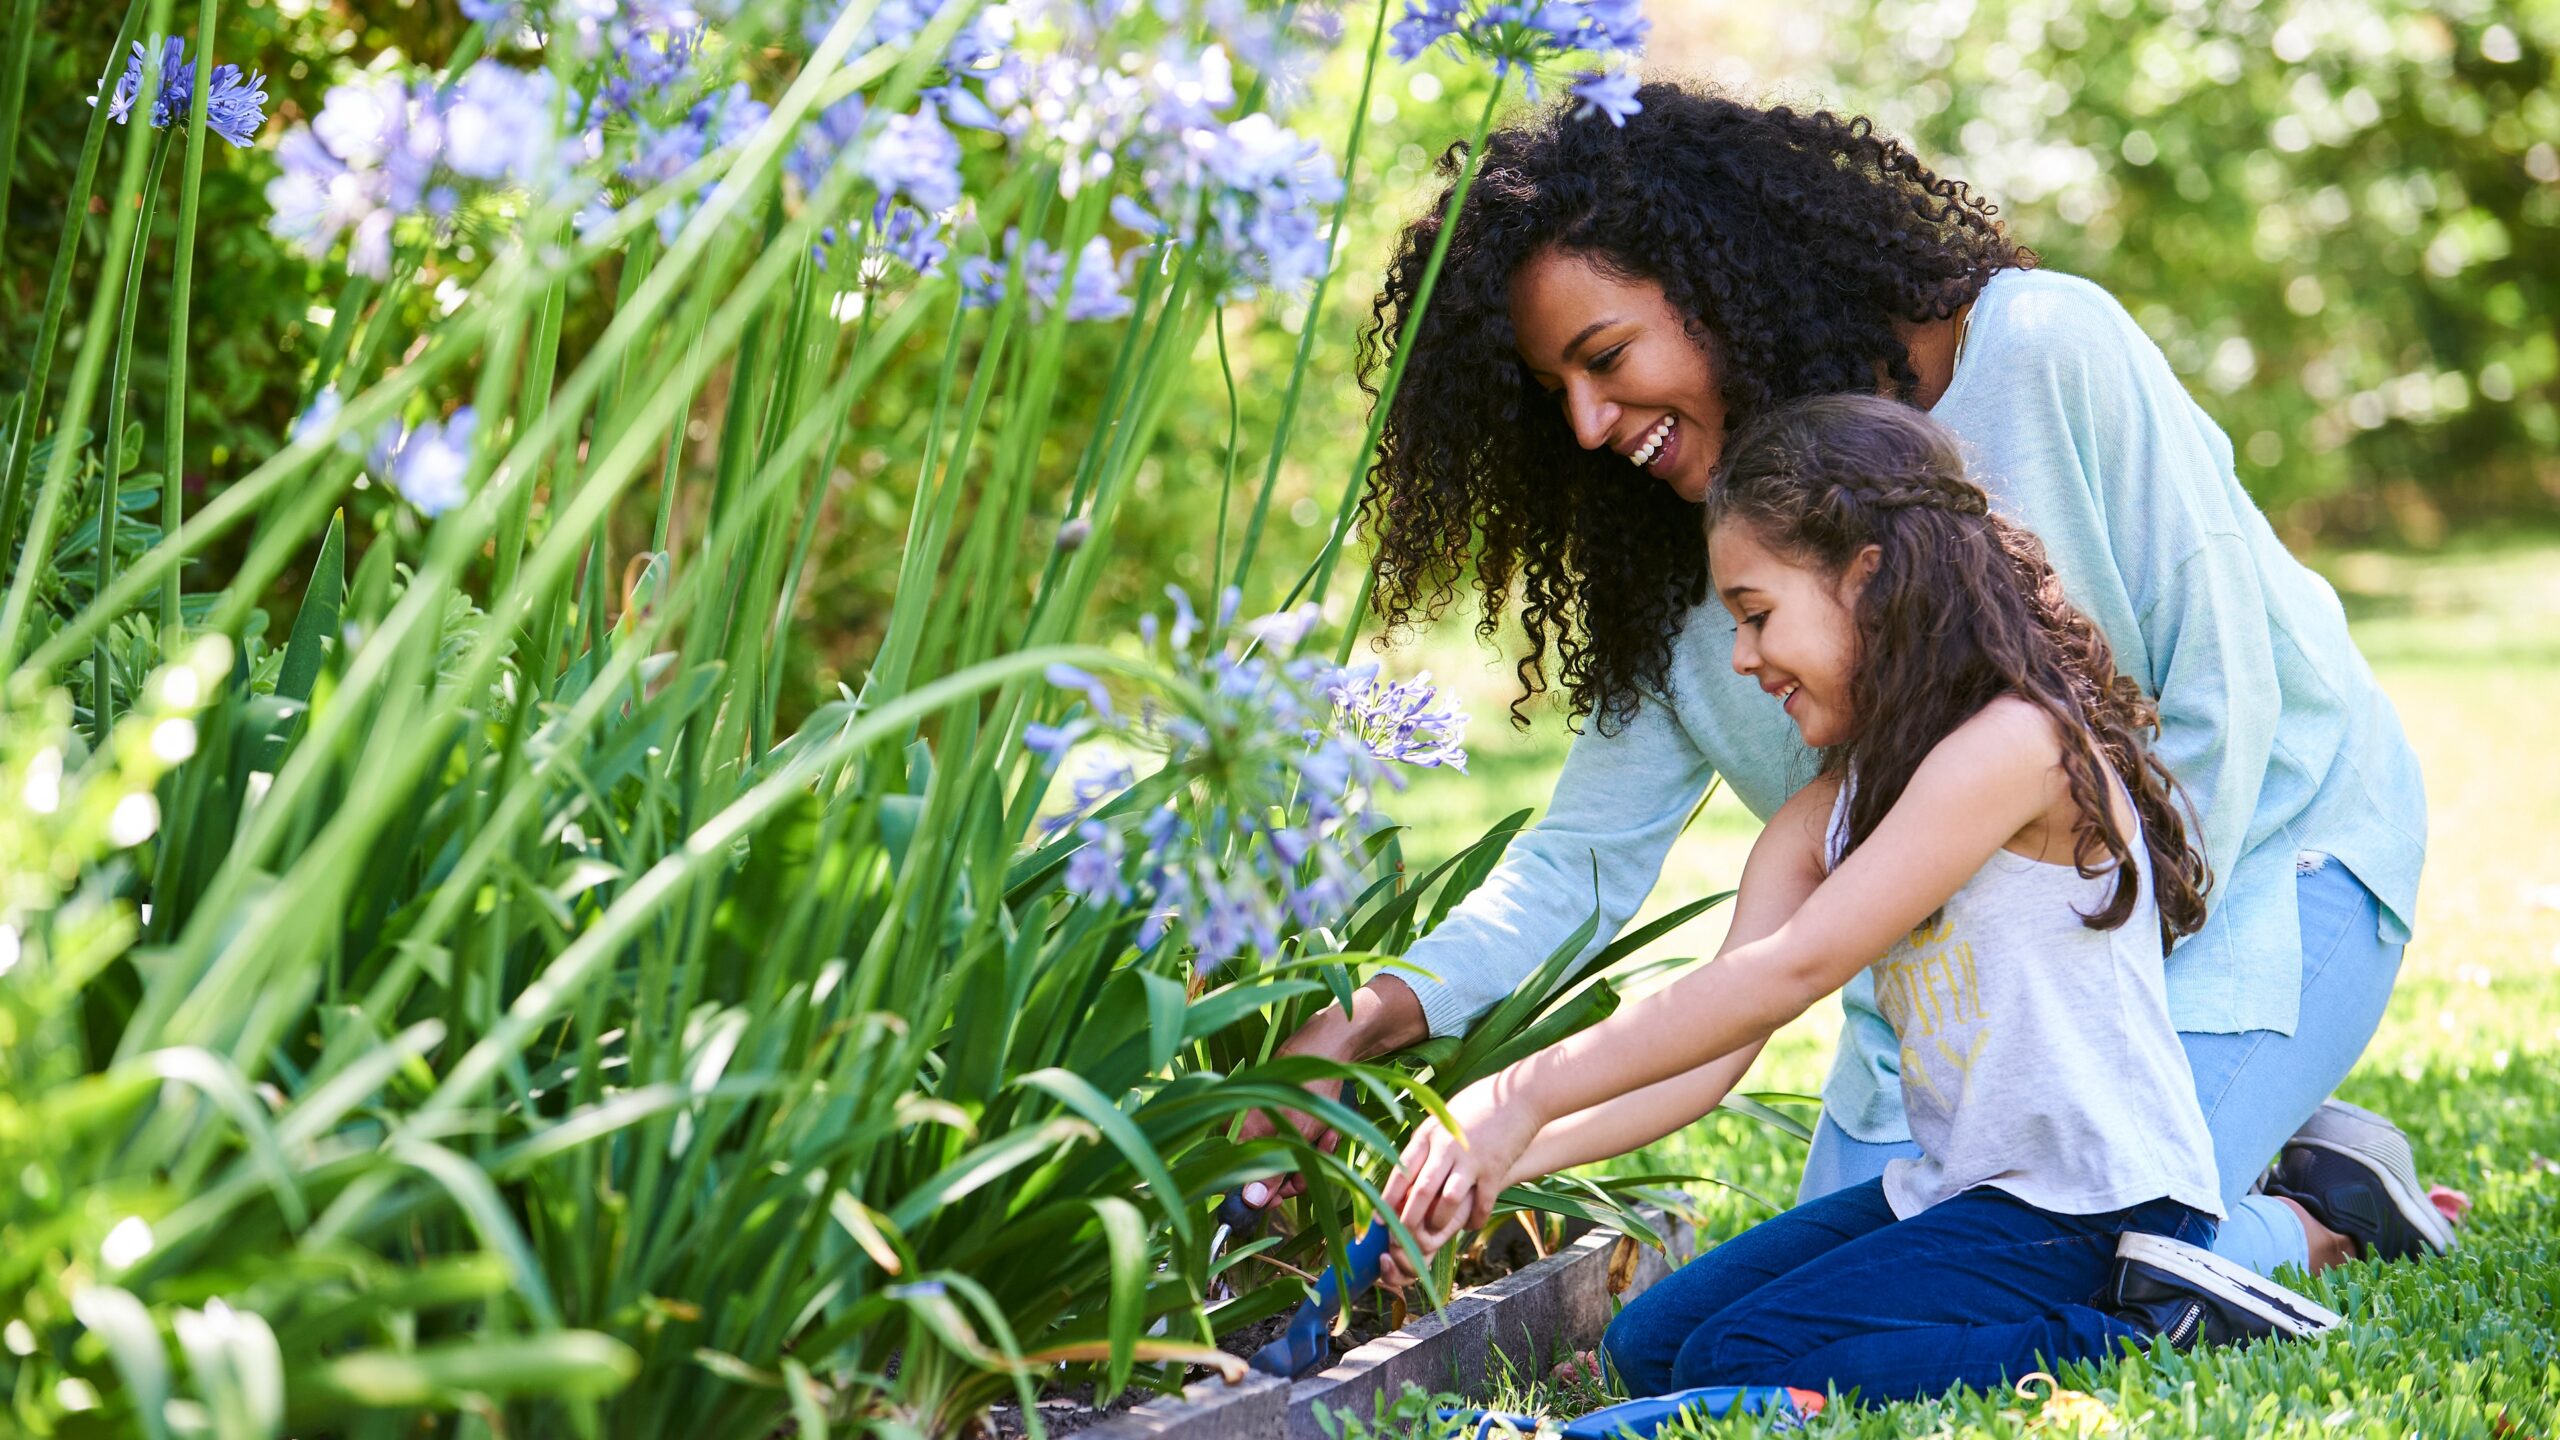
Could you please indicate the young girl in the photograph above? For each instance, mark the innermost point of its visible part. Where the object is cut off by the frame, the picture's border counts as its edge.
(1988, 821)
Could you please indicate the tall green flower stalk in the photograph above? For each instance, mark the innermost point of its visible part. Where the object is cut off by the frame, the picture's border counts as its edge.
(173, 445)
(101, 674)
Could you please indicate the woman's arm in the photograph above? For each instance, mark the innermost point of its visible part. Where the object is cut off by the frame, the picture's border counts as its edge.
(1617, 807)
(1977, 789)
(1784, 868)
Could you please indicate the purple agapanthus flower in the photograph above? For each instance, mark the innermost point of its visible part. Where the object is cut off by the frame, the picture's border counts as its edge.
(427, 465)
(824, 141)
(898, 232)
(234, 106)
(1096, 871)
(908, 236)
(1612, 93)
(1052, 742)
(1070, 677)
(656, 58)
(387, 148)
(1274, 765)
(980, 38)
(983, 278)
(1426, 23)
(1615, 25)
(1405, 722)
(1095, 293)
(714, 123)
(366, 160)
(915, 158)
(981, 283)
(498, 125)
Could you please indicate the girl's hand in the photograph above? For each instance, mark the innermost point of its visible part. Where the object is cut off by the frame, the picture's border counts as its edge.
(1395, 1272)
(1444, 1184)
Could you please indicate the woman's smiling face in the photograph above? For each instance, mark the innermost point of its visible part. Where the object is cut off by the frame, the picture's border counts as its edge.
(1617, 357)
(1794, 628)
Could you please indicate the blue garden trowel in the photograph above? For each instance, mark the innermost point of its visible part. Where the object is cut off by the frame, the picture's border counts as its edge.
(1302, 1346)
(1639, 1419)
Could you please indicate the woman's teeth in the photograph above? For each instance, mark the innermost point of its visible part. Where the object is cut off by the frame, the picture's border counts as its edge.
(1653, 441)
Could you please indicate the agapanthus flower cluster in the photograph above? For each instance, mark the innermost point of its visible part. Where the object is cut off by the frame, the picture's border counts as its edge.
(716, 121)
(1254, 190)
(897, 232)
(1094, 292)
(1278, 761)
(595, 27)
(1407, 721)
(387, 148)
(1517, 36)
(234, 106)
(979, 44)
(653, 60)
(1262, 190)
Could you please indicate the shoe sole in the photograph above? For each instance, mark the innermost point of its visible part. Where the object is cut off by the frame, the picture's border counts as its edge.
(2414, 1207)
(2293, 1316)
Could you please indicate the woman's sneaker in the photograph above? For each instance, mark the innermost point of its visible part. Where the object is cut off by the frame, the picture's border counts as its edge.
(2189, 1296)
(2352, 1170)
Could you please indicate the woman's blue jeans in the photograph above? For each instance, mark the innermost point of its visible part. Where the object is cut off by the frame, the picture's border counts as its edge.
(2257, 1087)
(1981, 1290)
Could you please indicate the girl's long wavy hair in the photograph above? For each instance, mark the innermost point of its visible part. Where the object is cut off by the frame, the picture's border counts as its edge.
(1794, 240)
(1962, 609)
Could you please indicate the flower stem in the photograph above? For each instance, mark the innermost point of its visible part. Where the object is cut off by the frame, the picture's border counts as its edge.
(1227, 487)
(173, 449)
(13, 96)
(1322, 573)
(57, 298)
(111, 444)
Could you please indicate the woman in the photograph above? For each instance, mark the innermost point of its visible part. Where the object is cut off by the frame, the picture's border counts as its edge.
(1612, 300)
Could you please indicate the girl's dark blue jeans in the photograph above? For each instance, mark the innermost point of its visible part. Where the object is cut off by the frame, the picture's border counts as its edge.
(1978, 1290)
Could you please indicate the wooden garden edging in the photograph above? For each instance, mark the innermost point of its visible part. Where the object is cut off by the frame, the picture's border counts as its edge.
(1528, 1317)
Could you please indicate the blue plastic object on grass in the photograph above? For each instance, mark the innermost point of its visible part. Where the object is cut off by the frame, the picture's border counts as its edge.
(1640, 1418)
(1302, 1347)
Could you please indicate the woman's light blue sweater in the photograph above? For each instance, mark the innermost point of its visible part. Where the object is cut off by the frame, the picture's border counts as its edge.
(2075, 423)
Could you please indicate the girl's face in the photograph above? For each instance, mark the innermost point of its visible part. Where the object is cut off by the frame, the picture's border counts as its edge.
(1618, 359)
(1794, 628)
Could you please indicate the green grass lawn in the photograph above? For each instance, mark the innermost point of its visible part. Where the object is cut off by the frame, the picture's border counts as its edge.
(2468, 646)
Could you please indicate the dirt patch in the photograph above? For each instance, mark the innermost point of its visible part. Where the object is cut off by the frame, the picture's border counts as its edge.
(1065, 1413)
(1507, 1248)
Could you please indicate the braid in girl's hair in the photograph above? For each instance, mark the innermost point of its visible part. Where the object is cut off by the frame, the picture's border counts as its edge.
(1962, 608)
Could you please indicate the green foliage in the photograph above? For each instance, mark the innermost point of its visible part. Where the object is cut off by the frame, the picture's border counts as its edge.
(488, 1000)
(2342, 222)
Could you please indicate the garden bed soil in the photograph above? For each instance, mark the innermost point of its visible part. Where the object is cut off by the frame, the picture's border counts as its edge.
(1509, 1298)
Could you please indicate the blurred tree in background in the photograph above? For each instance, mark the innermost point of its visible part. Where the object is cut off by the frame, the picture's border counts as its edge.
(2340, 220)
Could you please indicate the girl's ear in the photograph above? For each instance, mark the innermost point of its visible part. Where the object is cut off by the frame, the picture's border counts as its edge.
(1860, 569)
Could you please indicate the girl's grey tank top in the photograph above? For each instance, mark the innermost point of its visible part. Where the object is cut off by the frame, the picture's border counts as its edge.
(2037, 1053)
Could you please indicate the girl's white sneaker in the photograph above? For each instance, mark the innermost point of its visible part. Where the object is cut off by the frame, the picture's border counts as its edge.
(2188, 1295)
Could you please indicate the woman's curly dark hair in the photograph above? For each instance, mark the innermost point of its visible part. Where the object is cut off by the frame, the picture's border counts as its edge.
(1962, 609)
(1795, 242)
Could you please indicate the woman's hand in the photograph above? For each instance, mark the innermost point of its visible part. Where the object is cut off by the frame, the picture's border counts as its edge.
(1444, 1183)
(1390, 1018)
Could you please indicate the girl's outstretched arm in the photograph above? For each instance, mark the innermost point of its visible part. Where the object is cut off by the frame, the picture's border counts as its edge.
(1784, 868)
(1991, 778)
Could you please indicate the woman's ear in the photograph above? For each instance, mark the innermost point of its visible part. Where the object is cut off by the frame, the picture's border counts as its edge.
(1860, 569)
